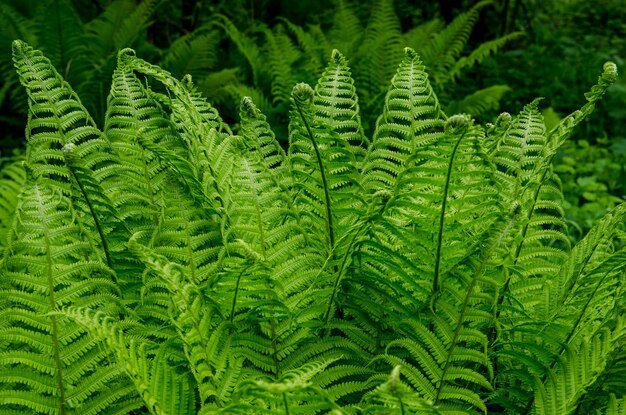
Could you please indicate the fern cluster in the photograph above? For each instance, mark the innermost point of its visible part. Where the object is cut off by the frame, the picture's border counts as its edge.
(166, 265)
(262, 60)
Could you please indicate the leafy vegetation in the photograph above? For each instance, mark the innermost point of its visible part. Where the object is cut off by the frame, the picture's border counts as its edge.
(230, 53)
(164, 264)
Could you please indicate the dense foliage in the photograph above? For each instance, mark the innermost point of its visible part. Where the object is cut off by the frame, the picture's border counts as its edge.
(165, 264)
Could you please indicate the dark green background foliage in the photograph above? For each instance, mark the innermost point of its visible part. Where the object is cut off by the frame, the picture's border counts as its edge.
(270, 207)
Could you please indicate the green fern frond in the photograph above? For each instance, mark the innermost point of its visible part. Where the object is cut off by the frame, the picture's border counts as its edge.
(347, 30)
(418, 36)
(206, 337)
(337, 104)
(163, 388)
(481, 101)
(576, 370)
(60, 36)
(138, 191)
(481, 52)
(411, 119)
(294, 393)
(57, 118)
(446, 190)
(281, 54)
(616, 407)
(563, 131)
(314, 45)
(49, 364)
(194, 54)
(442, 52)
(380, 51)
(12, 179)
(247, 47)
(394, 397)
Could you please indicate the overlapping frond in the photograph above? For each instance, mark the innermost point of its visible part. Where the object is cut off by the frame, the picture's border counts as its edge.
(49, 364)
(56, 118)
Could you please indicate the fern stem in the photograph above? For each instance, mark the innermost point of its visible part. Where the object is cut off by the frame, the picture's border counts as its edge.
(329, 218)
(236, 294)
(105, 243)
(53, 320)
(442, 216)
(336, 283)
(286, 403)
(275, 350)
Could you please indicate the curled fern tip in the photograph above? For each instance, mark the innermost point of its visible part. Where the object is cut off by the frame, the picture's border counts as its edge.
(504, 119)
(69, 153)
(610, 71)
(410, 53)
(248, 106)
(302, 92)
(457, 124)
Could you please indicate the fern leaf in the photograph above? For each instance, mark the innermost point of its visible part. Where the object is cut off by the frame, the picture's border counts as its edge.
(564, 129)
(481, 52)
(574, 373)
(194, 54)
(441, 53)
(45, 369)
(347, 30)
(411, 119)
(379, 52)
(12, 179)
(481, 101)
(337, 104)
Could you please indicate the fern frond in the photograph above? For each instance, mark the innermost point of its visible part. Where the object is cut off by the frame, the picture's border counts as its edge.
(12, 179)
(337, 104)
(206, 337)
(323, 165)
(347, 30)
(294, 393)
(411, 119)
(380, 51)
(247, 47)
(564, 129)
(138, 190)
(441, 53)
(194, 54)
(446, 191)
(483, 100)
(575, 372)
(48, 363)
(314, 45)
(163, 389)
(420, 35)
(60, 36)
(57, 118)
(281, 54)
(481, 52)
(394, 397)
(616, 407)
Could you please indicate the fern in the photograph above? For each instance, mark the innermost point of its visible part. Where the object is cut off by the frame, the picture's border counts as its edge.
(49, 363)
(167, 265)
